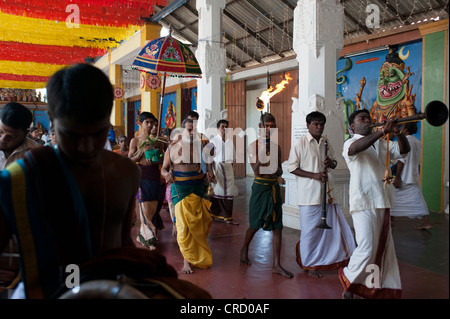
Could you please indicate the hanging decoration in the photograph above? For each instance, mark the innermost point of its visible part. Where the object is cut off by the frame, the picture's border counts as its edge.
(54, 54)
(116, 13)
(38, 37)
(118, 92)
(153, 81)
(29, 68)
(49, 32)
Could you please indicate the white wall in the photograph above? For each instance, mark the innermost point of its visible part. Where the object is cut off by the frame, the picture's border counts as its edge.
(252, 119)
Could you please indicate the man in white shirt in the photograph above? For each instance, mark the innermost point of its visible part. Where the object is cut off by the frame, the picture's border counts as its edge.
(222, 200)
(373, 269)
(318, 249)
(408, 197)
(15, 120)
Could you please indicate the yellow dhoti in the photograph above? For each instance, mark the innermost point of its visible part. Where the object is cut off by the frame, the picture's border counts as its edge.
(193, 223)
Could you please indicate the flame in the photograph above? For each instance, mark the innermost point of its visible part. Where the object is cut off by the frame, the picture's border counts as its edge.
(267, 95)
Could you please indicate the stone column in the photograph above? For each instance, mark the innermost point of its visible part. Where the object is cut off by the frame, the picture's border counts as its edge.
(318, 39)
(212, 59)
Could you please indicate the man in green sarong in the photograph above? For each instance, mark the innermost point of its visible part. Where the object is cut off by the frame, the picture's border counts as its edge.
(265, 202)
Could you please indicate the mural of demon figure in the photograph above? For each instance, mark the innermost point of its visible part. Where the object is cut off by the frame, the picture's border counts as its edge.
(393, 91)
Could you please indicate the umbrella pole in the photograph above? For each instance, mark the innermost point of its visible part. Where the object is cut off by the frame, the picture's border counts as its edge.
(161, 104)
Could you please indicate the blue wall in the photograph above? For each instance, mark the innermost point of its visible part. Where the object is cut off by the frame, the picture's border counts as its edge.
(368, 65)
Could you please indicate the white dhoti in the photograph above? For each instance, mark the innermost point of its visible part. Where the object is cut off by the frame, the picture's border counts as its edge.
(409, 202)
(224, 189)
(324, 249)
(372, 271)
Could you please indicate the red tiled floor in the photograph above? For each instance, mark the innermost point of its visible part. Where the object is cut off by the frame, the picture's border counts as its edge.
(423, 261)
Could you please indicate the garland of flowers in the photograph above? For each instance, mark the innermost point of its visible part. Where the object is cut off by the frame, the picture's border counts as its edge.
(29, 68)
(21, 84)
(22, 77)
(47, 32)
(36, 40)
(54, 54)
(91, 12)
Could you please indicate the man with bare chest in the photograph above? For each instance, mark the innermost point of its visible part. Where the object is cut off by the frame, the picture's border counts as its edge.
(69, 203)
(182, 168)
(265, 202)
(149, 189)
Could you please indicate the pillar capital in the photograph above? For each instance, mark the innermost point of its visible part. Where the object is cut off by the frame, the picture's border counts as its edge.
(318, 23)
(209, 3)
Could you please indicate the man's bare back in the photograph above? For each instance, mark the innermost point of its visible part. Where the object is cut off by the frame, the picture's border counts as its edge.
(108, 188)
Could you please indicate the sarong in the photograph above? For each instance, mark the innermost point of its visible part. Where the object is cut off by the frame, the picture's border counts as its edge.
(324, 249)
(265, 208)
(372, 271)
(222, 200)
(150, 183)
(409, 202)
(44, 209)
(192, 217)
(148, 196)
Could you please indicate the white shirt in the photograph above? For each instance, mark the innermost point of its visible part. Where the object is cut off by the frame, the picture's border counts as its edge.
(18, 153)
(308, 155)
(410, 173)
(367, 188)
(223, 151)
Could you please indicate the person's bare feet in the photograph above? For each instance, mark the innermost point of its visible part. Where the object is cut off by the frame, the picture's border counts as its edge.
(313, 273)
(187, 269)
(280, 270)
(244, 257)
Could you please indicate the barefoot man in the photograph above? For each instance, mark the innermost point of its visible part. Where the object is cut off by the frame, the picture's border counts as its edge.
(182, 168)
(150, 181)
(265, 202)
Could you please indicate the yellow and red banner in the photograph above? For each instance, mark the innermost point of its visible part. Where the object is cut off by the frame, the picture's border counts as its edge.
(38, 37)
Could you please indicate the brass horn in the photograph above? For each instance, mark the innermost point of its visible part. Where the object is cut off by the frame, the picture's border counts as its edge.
(436, 114)
(323, 219)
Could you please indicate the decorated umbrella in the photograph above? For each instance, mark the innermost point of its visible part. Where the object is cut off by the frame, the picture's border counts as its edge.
(166, 56)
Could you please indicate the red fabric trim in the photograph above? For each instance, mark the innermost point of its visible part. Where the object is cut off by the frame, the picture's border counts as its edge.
(330, 267)
(368, 293)
(363, 290)
(383, 237)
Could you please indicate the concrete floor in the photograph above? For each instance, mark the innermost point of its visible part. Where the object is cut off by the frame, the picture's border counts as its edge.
(422, 256)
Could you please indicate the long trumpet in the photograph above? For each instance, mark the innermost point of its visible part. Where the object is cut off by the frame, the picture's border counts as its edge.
(436, 114)
(323, 223)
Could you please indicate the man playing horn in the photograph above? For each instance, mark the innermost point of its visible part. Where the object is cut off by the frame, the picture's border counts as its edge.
(370, 203)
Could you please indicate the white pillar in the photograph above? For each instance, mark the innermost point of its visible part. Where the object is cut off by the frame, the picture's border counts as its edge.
(212, 59)
(318, 39)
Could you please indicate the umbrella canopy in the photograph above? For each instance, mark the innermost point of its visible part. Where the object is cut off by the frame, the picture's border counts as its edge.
(167, 56)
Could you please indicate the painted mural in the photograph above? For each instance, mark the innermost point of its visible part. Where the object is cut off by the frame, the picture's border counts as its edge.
(169, 110)
(386, 82)
(194, 99)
